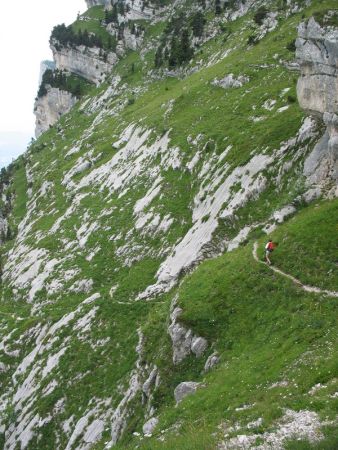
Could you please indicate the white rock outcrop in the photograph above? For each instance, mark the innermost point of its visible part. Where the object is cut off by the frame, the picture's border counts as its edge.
(3, 228)
(149, 426)
(211, 362)
(317, 54)
(3, 367)
(184, 342)
(198, 346)
(91, 3)
(230, 81)
(139, 10)
(131, 40)
(184, 389)
(49, 108)
(136, 9)
(84, 61)
(303, 424)
(317, 90)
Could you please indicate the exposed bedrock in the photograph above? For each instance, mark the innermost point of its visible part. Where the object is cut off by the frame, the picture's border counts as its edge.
(84, 61)
(184, 342)
(317, 90)
(317, 52)
(137, 9)
(49, 108)
(3, 230)
(91, 3)
(184, 389)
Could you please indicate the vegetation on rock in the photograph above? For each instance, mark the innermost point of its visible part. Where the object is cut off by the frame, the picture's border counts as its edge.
(63, 81)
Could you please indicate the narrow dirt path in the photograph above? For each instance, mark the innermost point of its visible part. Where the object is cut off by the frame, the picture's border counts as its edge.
(312, 289)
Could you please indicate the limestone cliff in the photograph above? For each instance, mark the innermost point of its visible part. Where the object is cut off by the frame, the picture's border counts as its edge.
(317, 52)
(317, 89)
(49, 108)
(91, 3)
(84, 61)
(92, 63)
(128, 40)
(139, 10)
(136, 9)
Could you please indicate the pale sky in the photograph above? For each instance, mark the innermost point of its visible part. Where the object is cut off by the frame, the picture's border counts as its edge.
(25, 28)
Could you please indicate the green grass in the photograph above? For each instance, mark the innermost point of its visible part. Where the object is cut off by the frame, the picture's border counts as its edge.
(307, 248)
(264, 327)
(92, 24)
(78, 84)
(19, 187)
(95, 12)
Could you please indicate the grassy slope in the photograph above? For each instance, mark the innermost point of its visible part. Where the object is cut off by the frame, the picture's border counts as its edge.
(92, 24)
(199, 107)
(307, 247)
(265, 329)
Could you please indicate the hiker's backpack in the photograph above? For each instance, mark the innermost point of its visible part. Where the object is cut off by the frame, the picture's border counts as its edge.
(269, 247)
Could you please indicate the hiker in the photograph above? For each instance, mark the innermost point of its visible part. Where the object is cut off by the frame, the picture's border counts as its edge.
(269, 248)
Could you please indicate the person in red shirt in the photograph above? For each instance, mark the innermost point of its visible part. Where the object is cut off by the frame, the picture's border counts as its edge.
(269, 248)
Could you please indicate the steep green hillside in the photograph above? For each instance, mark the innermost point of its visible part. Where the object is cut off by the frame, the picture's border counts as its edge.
(277, 346)
(124, 211)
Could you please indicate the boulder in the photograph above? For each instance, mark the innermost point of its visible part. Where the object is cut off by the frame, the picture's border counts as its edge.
(183, 340)
(229, 81)
(184, 389)
(211, 362)
(149, 426)
(180, 336)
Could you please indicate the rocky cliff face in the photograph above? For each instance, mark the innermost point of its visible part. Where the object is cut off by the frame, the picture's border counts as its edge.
(139, 10)
(84, 61)
(91, 3)
(90, 63)
(317, 89)
(49, 108)
(317, 52)
(136, 9)
(128, 41)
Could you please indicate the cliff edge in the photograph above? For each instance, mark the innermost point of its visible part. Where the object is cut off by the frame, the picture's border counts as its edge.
(317, 90)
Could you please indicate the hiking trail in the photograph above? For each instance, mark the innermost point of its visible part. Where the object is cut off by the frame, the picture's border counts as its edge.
(312, 289)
